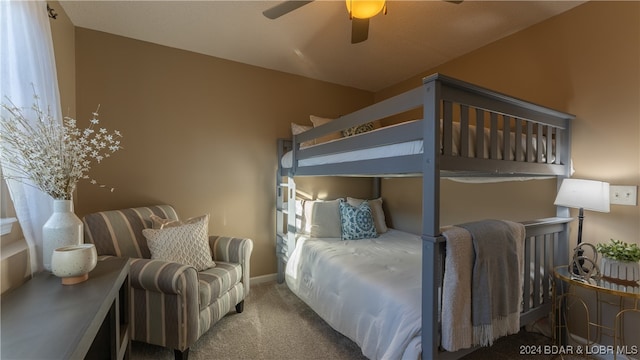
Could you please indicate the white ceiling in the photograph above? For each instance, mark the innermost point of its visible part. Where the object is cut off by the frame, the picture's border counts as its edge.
(314, 41)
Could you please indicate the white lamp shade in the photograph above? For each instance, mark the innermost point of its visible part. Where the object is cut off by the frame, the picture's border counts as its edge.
(586, 194)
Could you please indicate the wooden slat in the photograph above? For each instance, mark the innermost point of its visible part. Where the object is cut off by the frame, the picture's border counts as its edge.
(549, 153)
(559, 145)
(447, 131)
(493, 136)
(518, 139)
(464, 131)
(506, 135)
(539, 140)
(529, 145)
(479, 134)
(548, 265)
(538, 247)
(527, 270)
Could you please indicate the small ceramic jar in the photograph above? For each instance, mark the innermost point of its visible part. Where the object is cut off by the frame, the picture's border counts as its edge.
(73, 263)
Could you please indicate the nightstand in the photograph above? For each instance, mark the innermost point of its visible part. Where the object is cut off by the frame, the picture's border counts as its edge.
(604, 290)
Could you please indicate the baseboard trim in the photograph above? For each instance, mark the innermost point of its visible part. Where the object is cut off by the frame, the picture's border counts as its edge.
(263, 278)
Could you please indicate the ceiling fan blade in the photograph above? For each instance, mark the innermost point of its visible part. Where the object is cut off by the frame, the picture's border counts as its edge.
(284, 8)
(359, 30)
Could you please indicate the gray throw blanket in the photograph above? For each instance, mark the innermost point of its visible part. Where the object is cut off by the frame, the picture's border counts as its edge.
(496, 292)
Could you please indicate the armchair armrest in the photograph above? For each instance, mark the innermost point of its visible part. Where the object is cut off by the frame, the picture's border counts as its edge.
(233, 250)
(164, 300)
(163, 276)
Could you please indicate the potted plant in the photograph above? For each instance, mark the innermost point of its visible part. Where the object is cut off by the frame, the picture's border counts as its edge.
(620, 260)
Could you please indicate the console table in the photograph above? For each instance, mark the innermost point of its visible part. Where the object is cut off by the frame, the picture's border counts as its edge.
(45, 319)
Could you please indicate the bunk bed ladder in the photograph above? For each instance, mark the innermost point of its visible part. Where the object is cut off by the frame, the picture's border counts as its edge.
(285, 212)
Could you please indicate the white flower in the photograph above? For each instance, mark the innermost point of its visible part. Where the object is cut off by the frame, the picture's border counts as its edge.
(51, 155)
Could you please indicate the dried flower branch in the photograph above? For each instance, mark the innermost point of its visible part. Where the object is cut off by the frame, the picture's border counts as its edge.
(50, 155)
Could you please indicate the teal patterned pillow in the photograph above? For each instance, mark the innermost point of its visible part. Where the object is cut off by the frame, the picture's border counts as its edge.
(357, 221)
(358, 129)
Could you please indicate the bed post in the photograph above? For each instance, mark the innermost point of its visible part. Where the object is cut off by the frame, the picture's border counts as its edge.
(376, 188)
(431, 236)
(563, 244)
(562, 254)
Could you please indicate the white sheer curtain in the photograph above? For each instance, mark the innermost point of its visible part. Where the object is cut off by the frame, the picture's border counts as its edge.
(28, 63)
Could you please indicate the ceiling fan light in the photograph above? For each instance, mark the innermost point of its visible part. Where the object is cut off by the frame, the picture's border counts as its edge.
(364, 9)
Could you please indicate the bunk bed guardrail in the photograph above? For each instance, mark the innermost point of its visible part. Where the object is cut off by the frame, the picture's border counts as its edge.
(544, 248)
(479, 132)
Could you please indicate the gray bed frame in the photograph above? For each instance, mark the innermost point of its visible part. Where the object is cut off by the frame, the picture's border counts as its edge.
(442, 97)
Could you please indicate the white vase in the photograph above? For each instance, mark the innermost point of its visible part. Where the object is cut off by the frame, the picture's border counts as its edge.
(623, 270)
(63, 228)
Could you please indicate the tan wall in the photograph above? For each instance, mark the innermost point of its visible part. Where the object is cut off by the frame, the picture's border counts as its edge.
(585, 62)
(199, 133)
(63, 34)
(463, 202)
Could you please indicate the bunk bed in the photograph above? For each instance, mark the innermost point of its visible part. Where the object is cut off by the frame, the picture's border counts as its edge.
(465, 132)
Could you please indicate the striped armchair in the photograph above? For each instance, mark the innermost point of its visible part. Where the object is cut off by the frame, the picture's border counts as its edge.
(172, 304)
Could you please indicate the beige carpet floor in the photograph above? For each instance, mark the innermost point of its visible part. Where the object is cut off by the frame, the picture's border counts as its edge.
(276, 324)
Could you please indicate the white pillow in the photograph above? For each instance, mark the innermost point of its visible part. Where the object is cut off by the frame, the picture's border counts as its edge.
(186, 243)
(298, 129)
(322, 218)
(376, 211)
(317, 121)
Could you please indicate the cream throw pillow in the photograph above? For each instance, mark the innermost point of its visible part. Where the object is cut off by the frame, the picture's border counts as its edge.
(376, 212)
(317, 121)
(322, 218)
(298, 129)
(186, 243)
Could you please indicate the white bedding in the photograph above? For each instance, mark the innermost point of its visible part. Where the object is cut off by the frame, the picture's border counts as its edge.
(381, 310)
(375, 303)
(412, 148)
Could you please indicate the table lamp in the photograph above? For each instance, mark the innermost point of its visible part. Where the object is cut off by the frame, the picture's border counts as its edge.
(584, 195)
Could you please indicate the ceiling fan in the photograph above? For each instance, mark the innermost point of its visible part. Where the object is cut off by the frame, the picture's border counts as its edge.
(360, 11)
